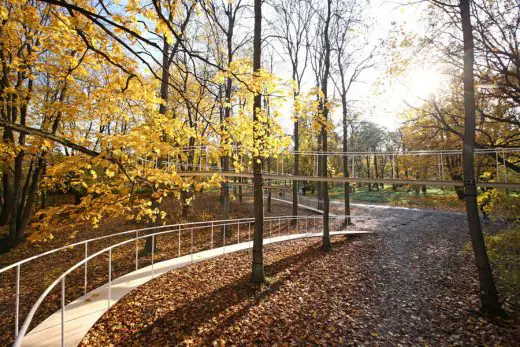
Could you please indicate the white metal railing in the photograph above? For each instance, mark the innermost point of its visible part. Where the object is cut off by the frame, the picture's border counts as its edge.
(273, 225)
(438, 165)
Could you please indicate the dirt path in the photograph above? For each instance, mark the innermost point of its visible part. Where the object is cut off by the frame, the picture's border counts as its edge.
(409, 284)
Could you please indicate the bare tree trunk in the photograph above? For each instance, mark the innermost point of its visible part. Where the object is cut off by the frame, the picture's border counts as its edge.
(376, 171)
(269, 192)
(489, 303)
(240, 190)
(324, 107)
(257, 275)
(320, 173)
(163, 107)
(6, 194)
(296, 167)
(346, 186)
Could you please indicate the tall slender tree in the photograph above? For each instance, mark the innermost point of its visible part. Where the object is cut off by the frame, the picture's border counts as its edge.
(488, 293)
(291, 27)
(224, 17)
(352, 58)
(324, 108)
(258, 275)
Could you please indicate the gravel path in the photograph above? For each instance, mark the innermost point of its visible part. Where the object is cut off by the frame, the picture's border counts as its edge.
(409, 284)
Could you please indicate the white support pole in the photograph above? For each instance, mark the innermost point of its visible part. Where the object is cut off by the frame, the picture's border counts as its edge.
(136, 250)
(191, 247)
(17, 303)
(439, 166)
(393, 166)
(497, 175)
(109, 276)
(63, 312)
(353, 166)
(85, 280)
(505, 166)
(442, 166)
(153, 251)
(212, 229)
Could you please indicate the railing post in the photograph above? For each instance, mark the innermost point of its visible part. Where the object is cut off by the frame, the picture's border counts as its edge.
(153, 251)
(249, 232)
(179, 240)
(86, 269)
(63, 311)
(353, 166)
(497, 175)
(238, 233)
(279, 226)
(212, 226)
(109, 276)
(224, 239)
(191, 247)
(442, 167)
(17, 312)
(393, 166)
(136, 250)
(505, 166)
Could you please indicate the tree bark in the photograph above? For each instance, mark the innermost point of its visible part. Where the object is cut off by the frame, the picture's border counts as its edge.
(324, 107)
(296, 167)
(346, 185)
(257, 275)
(6, 194)
(269, 192)
(489, 303)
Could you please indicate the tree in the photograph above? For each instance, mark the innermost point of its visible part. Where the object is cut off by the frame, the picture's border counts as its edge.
(348, 49)
(225, 19)
(488, 293)
(324, 108)
(296, 17)
(257, 275)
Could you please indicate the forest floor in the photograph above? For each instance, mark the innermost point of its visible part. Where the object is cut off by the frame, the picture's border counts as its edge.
(410, 284)
(38, 275)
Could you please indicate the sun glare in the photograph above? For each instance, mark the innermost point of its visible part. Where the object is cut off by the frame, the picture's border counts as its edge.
(421, 83)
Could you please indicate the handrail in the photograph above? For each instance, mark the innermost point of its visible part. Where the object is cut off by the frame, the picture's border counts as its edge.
(21, 262)
(22, 332)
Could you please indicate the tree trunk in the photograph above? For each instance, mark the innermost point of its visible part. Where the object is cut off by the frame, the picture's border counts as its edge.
(368, 172)
(240, 190)
(324, 107)
(269, 191)
(15, 234)
(6, 195)
(376, 171)
(488, 293)
(296, 166)
(257, 275)
(319, 186)
(346, 186)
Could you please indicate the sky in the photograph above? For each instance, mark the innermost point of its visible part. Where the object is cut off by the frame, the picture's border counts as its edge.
(377, 96)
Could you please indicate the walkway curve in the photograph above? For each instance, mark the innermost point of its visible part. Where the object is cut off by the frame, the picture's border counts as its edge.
(82, 314)
(338, 179)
